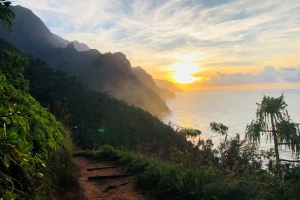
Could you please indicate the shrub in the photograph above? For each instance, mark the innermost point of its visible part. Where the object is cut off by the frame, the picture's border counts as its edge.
(34, 147)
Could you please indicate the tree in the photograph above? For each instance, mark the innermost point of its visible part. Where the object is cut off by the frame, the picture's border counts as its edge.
(6, 13)
(189, 132)
(273, 120)
(219, 128)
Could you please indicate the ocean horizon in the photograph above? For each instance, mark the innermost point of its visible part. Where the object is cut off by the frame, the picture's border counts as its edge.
(233, 108)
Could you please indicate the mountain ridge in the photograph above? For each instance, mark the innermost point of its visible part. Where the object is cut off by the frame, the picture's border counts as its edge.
(78, 45)
(110, 72)
(148, 80)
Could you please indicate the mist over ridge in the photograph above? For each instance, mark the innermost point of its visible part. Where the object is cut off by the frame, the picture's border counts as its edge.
(108, 72)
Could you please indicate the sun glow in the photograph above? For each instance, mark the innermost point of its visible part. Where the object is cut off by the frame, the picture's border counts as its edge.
(183, 73)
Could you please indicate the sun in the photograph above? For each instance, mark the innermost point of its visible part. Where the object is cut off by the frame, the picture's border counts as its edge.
(183, 73)
(184, 78)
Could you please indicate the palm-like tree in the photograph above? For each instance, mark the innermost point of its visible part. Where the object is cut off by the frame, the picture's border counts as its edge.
(272, 119)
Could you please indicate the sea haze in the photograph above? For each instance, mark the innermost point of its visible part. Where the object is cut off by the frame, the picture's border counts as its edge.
(233, 108)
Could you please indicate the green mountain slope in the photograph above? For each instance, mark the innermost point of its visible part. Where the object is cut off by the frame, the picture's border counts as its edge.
(104, 72)
(98, 117)
(34, 147)
(91, 111)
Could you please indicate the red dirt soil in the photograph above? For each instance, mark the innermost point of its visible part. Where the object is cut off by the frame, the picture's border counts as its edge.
(107, 189)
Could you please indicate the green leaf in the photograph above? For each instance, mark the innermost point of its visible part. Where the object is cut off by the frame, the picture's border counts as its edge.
(12, 136)
(17, 141)
(6, 161)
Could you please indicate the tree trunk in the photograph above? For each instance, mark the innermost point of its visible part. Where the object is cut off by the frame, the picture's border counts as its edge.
(275, 139)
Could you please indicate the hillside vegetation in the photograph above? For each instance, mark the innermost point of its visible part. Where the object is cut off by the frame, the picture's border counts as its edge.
(94, 117)
(34, 147)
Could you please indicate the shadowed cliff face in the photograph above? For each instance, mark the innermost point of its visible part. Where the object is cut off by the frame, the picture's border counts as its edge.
(147, 80)
(104, 72)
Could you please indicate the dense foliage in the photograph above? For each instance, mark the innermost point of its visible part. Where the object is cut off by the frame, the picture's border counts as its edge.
(12, 66)
(34, 147)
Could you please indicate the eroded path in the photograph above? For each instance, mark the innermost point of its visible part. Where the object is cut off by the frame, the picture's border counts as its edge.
(106, 184)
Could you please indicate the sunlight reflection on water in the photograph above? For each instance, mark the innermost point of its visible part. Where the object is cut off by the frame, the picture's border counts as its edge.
(233, 108)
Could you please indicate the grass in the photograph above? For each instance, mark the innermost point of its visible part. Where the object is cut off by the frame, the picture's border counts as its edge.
(178, 182)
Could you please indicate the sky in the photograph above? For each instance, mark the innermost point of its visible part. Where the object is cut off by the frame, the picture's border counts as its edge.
(203, 44)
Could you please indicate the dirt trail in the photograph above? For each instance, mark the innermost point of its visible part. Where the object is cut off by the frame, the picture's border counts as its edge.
(110, 187)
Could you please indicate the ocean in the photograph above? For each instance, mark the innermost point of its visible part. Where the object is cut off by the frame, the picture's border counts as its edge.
(233, 108)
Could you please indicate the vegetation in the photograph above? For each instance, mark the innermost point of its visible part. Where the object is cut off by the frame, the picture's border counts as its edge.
(181, 170)
(175, 181)
(12, 65)
(274, 121)
(90, 111)
(37, 147)
(97, 118)
(34, 148)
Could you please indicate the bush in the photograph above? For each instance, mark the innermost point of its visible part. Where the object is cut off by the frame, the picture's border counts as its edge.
(177, 182)
(34, 147)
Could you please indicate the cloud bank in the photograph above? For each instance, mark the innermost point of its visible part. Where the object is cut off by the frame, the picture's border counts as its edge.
(269, 74)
